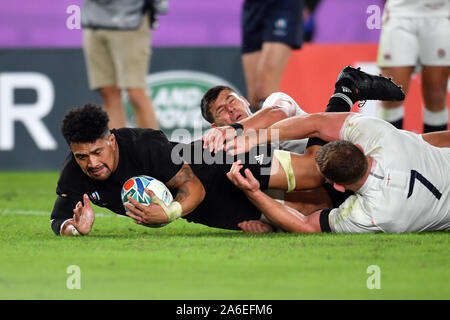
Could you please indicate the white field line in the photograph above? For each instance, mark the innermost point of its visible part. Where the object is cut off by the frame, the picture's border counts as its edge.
(5, 212)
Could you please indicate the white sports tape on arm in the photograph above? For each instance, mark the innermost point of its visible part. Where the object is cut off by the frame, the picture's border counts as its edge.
(74, 230)
(284, 158)
(173, 210)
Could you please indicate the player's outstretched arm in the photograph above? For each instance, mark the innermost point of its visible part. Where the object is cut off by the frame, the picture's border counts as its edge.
(281, 215)
(72, 221)
(440, 139)
(262, 119)
(326, 126)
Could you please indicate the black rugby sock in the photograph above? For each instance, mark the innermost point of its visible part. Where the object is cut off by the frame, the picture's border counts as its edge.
(429, 128)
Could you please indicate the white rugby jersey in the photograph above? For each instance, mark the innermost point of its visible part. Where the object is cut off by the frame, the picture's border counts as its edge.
(292, 109)
(408, 189)
(417, 8)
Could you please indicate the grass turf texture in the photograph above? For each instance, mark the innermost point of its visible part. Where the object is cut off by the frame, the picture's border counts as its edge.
(121, 260)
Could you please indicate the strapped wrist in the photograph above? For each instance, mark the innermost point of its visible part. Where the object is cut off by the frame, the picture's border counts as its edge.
(238, 127)
(74, 230)
(174, 211)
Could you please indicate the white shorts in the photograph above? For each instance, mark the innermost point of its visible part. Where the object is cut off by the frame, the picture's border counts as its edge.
(414, 41)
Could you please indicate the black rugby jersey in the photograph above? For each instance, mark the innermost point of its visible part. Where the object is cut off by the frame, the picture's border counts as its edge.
(149, 152)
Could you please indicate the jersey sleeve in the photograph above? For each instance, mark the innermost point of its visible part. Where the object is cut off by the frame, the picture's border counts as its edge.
(67, 194)
(285, 102)
(351, 217)
(62, 211)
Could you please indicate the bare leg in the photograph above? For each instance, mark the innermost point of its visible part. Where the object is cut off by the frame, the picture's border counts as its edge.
(143, 109)
(264, 70)
(434, 87)
(393, 111)
(250, 64)
(112, 103)
(434, 92)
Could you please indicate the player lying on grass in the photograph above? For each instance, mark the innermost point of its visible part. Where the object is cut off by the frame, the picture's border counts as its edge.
(101, 160)
(401, 179)
(230, 114)
(92, 171)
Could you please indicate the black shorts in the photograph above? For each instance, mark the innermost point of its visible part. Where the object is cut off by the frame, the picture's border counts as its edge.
(225, 205)
(271, 21)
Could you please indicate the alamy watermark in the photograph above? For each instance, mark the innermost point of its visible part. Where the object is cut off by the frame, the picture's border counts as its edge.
(374, 280)
(74, 280)
(257, 155)
(373, 21)
(73, 21)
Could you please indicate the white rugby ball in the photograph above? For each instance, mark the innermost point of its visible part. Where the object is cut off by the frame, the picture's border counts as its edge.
(135, 188)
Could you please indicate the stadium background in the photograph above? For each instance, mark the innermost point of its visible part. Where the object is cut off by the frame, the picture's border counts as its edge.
(43, 74)
(42, 68)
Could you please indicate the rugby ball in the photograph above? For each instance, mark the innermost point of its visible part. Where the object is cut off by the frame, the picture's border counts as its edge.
(135, 188)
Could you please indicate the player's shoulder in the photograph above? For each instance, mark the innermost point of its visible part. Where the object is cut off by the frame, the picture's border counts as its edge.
(284, 101)
(138, 134)
(274, 97)
(357, 124)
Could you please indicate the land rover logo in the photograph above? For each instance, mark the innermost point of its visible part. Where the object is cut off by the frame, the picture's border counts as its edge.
(176, 97)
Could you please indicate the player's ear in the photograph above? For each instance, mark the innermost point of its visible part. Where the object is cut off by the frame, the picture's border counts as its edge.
(339, 187)
(112, 139)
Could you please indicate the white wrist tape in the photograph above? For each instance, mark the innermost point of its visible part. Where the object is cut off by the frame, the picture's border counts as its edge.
(74, 230)
(174, 211)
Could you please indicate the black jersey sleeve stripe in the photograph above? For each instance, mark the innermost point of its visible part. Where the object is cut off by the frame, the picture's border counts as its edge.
(323, 220)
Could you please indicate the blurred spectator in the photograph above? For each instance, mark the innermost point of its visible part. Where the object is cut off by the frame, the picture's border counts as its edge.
(270, 30)
(417, 32)
(309, 19)
(116, 41)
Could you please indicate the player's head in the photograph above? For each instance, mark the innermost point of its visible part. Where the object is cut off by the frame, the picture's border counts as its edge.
(341, 162)
(222, 106)
(86, 131)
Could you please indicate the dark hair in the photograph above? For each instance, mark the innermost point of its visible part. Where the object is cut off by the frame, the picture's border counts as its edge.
(341, 162)
(208, 98)
(87, 123)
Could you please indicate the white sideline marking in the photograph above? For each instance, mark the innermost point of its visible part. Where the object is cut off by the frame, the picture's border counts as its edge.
(5, 212)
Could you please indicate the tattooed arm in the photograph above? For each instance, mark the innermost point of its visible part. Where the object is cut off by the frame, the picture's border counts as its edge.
(190, 194)
(190, 189)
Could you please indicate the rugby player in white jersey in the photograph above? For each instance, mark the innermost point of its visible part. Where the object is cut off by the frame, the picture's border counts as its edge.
(417, 33)
(401, 179)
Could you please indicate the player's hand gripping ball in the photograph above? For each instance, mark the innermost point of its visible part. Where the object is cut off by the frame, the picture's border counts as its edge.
(135, 188)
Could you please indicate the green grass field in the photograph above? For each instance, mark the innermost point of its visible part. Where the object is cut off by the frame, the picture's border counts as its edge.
(121, 260)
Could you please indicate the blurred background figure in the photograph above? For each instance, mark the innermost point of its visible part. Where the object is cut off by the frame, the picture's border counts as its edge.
(270, 30)
(116, 43)
(417, 33)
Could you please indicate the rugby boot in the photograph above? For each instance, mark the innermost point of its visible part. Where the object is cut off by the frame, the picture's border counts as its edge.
(361, 86)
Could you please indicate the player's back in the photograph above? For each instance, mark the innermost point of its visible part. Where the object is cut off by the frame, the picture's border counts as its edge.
(410, 181)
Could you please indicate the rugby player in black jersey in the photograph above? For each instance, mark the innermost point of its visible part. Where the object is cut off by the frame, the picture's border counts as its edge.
(101, 160)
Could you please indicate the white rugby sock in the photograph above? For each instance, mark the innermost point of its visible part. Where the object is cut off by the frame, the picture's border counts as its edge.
(438, 118)
(392, 114)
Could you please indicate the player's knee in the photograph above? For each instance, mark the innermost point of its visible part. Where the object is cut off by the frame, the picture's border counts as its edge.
(434, 99)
